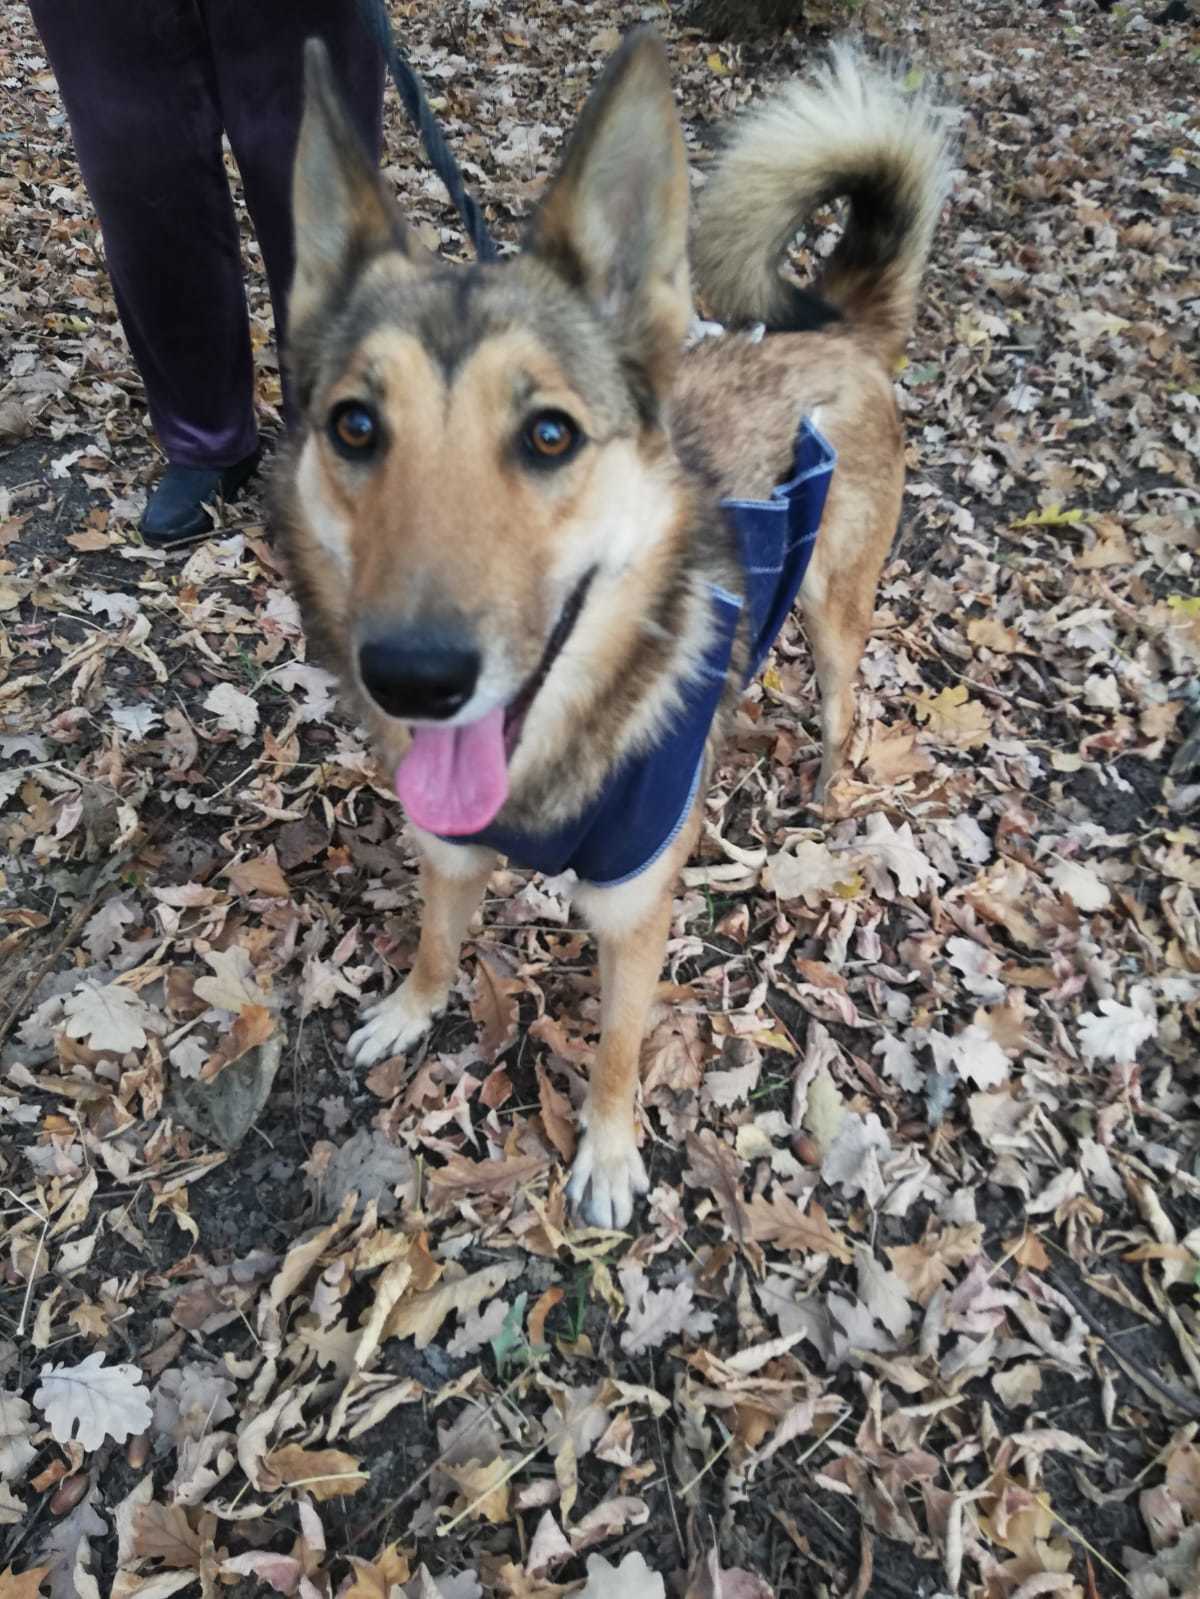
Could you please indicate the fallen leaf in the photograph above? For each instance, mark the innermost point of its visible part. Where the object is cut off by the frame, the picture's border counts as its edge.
(421, 1316)
(91, 1401)
(655, 1315)
(632, 1579)
(1089, 892)
(781, 1221)
(954, 718)
(235, 712)
(22, 1585)
(109, 1018)
(1116, 1032)
(322, 1473)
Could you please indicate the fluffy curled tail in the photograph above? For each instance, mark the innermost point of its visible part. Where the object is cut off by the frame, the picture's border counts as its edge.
(852, 130)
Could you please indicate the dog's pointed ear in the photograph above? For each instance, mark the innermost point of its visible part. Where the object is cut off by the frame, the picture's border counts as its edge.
(614, 222)
(341, 211)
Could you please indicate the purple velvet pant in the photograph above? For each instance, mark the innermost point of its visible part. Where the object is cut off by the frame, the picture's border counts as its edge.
(149, 87)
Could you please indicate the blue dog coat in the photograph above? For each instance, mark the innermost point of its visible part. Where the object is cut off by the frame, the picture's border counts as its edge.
(648, 797)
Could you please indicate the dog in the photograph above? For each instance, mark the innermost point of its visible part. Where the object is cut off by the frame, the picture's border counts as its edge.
(511, 505)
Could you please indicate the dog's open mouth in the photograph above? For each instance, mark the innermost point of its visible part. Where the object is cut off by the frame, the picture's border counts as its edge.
(454, 780)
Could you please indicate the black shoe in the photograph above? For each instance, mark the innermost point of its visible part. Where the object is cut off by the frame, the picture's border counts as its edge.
(176, 510)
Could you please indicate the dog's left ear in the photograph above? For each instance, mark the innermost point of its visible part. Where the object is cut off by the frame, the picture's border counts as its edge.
(614, 222)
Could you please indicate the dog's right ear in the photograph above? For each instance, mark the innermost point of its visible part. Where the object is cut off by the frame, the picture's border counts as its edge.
(341, 211)
(613, 223)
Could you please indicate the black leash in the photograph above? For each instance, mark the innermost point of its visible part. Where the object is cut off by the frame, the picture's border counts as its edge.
(374, 15)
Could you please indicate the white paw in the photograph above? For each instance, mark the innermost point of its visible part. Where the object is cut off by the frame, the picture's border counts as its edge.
(607, 1174)
(391, 1026)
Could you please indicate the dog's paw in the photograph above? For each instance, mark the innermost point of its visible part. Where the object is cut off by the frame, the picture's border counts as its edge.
(392, 1026)
(607, 1175)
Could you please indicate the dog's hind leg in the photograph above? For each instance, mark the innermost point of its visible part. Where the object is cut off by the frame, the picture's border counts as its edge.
(837, 604)
(837, 635)
(631, 922)
(453, 878)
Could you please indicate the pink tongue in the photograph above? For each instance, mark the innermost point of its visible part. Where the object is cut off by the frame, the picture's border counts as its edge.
(455, 779)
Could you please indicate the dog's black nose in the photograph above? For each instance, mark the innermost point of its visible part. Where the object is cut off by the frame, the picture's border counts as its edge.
(418, 678)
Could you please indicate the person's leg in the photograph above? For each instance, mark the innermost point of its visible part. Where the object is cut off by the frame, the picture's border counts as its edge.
(258, 55)
(137, 81)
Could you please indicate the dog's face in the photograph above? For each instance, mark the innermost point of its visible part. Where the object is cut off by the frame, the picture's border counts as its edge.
(482, 457)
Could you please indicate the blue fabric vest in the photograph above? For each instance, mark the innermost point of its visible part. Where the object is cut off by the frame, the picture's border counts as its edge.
(648, 798)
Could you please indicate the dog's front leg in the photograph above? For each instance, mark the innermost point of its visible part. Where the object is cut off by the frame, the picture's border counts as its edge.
(453, 878)
(631, 923)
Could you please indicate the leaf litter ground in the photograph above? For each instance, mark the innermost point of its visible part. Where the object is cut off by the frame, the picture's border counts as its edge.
(914, 1306)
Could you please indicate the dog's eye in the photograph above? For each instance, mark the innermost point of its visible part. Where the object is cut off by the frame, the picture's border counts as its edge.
(353, 430)
(550, 438)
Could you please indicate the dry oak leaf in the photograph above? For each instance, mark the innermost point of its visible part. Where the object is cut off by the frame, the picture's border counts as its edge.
(323, 1473)
(92, 1401)
(16, 1451)
(284, 1573)
(714, 1166)
(420, 1317)
(1111, 547)
(484, 1489)
(896, 850)
(1088, 891)
(893, 754)
(460, 1177)
(260, 875)
(557, 1120)
(68, 1550)
(1183, 1477)
(235, 983)
(235, 712)
(163, 1532)
(781, 1221)
(1118, 1031)
(22, 1585)
(494, 1007)
(975, 1055)
(954, 718)
(990, 634)
(251, 1028)
(108, 1017)
(303, 1256)
(811, 872)
(376, 1579)
(656, 1314)
(632, 1579)
(547, 1547)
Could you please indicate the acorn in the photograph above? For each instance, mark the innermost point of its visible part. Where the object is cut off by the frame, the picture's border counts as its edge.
(137, 1450)
(806, 1149)
(68, 1493)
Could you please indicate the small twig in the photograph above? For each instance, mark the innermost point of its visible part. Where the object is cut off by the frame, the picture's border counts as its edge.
(74, 926)
(329, 1476)
(708, 1465)
(419, 1482)
(1090, 1547)
(1179, 1397)
(666, 1470)
(829, 1431)
(37, 1256)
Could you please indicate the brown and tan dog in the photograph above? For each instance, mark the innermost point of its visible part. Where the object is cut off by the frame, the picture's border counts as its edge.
(502, 506)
